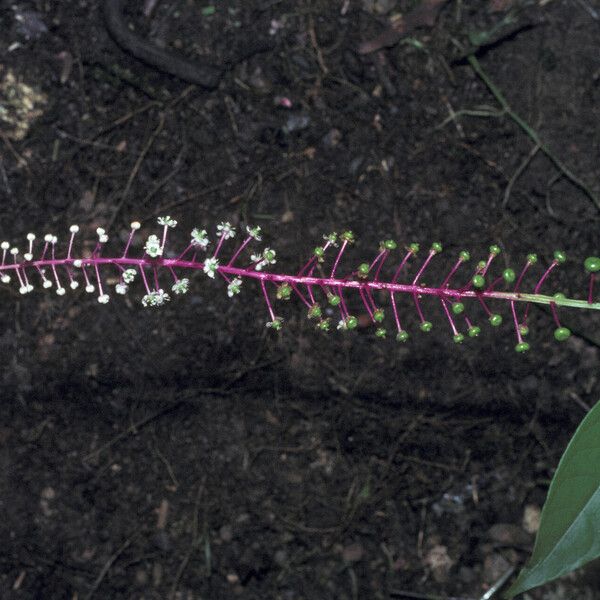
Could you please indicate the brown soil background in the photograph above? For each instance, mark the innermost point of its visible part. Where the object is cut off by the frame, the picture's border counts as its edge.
(290, 466)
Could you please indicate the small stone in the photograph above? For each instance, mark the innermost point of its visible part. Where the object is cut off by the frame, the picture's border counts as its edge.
(440, 563)
(232, 578)
(352, 553)
(226, 533)
(494, 566)
(508, 534)
(531, 518)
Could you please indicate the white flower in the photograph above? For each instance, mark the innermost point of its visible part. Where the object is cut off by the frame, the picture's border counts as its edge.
(167, 221)
(155, 298)
(103, 298)
(28, 256)
(200, 238)
(343, 325)
(210, 267)
(276, 323)
(255, 232)
(129, 275)
(331, 238)
(102, 238)
(47, 284)
(5, 278)
(60, 291)
(89, 288)
(225, 230)
(234, 287)
(74, 228)
(181, 286)
(121, 288)
(77, 263)
(74, 284)
(135, 225)
(264, 259)
(30, 237)
(152, 246)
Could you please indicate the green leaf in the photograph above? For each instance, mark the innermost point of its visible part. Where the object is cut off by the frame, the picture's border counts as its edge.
(569, 534)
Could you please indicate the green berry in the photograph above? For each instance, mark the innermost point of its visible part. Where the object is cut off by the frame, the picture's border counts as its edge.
(284, 291)
(380, 332)
(348, 236)
(592, 264)
(315, 312)
(426, 326)
(464, 256)
(390, 245)
(363, 270)
(478, 281)
(560, 257)
(495, 320)
(414, 248)
(495, 250)
(319, 252)
(559, 296)
(481, 265)
(333, 299)
(351, 322)
(402, 336)
(509, 275)
(324, 325)
(524, 330)
(474, 331)
(458, 308)
(561, 334)
(436, 248)
(532, 259)
(522, 347)
(378, 315)
(459, 338)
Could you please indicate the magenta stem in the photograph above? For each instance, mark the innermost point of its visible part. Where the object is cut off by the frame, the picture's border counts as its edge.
(337, 259)
(449, 316)
(591, 289)
(395, 311)
(239, 250)
(454, 269)
(427, 261)
(418, 307)
(364, 299)
(520, 279)
(269, 307)
(554, 314)
(399, 269)
(516, 322)
(128, 244)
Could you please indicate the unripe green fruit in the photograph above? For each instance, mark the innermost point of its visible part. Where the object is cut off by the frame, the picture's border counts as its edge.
(509, 275)
(458, 308)
(592, 264)
(561, 334)
(426, 326)
(495, 320)
(478, 281)
(402, 336)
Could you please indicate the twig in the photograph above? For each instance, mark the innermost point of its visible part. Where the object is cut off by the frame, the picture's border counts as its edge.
(476, 66)
(109, 563)
(136, 167)
(132, 429)
(193, 545)
(518, 173)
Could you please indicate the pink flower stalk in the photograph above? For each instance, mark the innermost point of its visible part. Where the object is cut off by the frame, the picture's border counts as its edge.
(161, 277)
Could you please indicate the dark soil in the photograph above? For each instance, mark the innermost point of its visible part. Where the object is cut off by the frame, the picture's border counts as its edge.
(188, 452)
